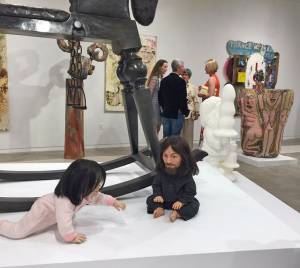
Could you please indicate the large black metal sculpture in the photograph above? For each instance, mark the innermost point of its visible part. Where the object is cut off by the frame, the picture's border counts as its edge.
(95, 20)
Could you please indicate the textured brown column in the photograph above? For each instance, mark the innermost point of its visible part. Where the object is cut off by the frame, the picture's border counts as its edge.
(74, 141)
(263, 118)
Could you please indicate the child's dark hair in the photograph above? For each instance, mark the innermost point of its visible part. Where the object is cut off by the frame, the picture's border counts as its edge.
(181, 147)
(80, 179)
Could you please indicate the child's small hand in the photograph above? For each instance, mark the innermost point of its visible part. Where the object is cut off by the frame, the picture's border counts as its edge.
(177, 205)
(80, 238)
(119, 205)
(158, 199)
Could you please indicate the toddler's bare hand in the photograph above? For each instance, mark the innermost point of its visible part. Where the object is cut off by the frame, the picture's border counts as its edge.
(177, 205)
(119, 205)
(80, 238)
(158, 199)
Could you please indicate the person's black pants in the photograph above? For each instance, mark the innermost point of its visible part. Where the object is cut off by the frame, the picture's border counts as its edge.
(187, 212)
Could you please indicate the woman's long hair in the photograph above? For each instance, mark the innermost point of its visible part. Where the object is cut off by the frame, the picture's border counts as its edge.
(156, 71)
(80, 179)
(180, 146)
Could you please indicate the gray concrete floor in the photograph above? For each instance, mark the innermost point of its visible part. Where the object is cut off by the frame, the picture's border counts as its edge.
(283, 181)
(101, 155)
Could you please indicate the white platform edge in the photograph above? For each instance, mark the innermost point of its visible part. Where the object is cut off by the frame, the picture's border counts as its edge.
(276, 258)
(282, 211)
(280, 160)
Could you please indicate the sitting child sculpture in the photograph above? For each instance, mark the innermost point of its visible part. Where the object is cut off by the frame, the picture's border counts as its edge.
(173, 186)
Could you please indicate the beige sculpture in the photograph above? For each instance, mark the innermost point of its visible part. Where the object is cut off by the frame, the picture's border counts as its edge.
(263, 117)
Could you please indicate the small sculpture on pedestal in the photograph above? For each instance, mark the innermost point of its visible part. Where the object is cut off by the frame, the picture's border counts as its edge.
(217, 117)
(80, 68)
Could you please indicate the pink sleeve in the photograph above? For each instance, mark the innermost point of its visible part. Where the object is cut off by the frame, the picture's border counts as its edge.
(102, 199)
(64, 210)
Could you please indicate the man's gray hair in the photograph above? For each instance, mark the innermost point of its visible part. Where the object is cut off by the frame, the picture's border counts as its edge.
(175, 64)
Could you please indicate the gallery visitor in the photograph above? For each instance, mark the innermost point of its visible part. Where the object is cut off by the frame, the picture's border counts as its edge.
(211, 87)
(193, 106)
(172, 100)
(153, 83)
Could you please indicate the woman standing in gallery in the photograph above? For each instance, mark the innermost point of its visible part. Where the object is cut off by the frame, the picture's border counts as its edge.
(211, 87)
(193, 106)
(153, 83)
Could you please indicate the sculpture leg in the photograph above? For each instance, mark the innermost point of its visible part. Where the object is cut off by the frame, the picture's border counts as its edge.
(131, 118)
(130, 109)
(74, 143)
(133, 71)
(143, 102)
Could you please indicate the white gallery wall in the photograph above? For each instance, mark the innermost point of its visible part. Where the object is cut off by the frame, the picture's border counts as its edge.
(192, 30)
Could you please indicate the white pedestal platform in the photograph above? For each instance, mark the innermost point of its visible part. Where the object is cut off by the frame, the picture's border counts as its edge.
(232, 229)
(280, 160)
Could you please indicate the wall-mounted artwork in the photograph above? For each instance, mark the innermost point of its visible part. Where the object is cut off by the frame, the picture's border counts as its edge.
(113, 88)
(255, 62)
(250, 65)
(246, 60)
(3, 85)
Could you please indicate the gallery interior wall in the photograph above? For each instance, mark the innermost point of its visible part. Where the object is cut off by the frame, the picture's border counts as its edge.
(192, 30)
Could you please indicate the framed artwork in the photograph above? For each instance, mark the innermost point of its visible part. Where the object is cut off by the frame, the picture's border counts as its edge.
(255, 62)
(247, 62)
(113, 87)
(3, 85)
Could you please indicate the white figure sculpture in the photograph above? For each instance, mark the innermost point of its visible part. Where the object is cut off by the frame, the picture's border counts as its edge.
(217, 118)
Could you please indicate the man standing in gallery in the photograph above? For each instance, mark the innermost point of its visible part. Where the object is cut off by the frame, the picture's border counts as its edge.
(172, 100)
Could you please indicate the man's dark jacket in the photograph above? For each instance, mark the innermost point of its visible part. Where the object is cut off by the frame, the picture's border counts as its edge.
(172, 96)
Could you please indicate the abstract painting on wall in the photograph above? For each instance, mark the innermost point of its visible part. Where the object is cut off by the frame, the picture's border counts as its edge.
(113, 87)
(3, 85)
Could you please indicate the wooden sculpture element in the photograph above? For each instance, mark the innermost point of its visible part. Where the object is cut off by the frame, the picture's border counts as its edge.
(80, 68)
(263, 117)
